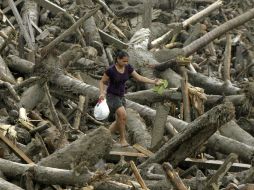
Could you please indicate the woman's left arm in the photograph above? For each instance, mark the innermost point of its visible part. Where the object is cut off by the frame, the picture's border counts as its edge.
(141, 78)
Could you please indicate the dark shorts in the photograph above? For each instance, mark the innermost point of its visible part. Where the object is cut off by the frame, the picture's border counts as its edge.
(114, 102)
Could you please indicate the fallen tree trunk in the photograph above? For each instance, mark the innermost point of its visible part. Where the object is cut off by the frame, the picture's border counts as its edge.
(32, 97)
(87, 150)
(137, 129)
(5, 74)
(19, 65)
(5, 185)
(45, 175)
(233, 131)
(237, 100)
(246, 124)
(211, 86)
(227, 145)
(197, 132)
(149, 96)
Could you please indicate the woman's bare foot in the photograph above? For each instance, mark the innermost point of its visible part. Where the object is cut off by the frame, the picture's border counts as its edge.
(124, 143)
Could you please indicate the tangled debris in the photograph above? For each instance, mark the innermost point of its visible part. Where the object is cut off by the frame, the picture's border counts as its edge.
(196, 133)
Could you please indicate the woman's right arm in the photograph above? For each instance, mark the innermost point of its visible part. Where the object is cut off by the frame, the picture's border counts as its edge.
(104, 80)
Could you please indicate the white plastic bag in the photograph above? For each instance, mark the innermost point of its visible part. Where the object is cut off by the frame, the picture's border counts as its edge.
(101, 110)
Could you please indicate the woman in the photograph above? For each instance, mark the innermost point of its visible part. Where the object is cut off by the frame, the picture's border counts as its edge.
(115, 77)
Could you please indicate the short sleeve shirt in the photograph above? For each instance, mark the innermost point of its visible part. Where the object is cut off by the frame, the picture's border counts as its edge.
(117, 80)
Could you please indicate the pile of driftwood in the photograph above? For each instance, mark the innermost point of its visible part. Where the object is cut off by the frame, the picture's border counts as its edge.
(195, 134)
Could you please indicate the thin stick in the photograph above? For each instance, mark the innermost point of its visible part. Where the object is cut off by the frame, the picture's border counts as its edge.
(138, 176)
(174, 177)
(56, 119)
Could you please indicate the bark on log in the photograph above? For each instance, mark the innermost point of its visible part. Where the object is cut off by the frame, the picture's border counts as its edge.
(237, 100)
(233, 131)
(246, 124)
(173, 78)
(5, 185)
(31, 97)
(112, 185)
(185, 94)
(159, 126)
(165, 185)
(88, 149)
(142, 60)
(45, 175)
(183, 145)
(227, 145)
(137, 130)
(227, 58)
(147, 14)
(147, 97)
(5, 73)
(19, 65)
(210, 85)
(4, 35)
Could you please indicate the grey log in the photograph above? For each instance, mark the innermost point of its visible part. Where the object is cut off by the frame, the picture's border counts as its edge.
(45, 175)
(88, 149)
(5, 185)
(184, 144)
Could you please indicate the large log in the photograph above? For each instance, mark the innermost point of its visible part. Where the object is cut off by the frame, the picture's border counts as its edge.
(88, 149)
(8, 186)
(186, 143)
(246, 124)
(147, 97)
(32, 97)
(233, 131)
(45, 175)
(19, 65)
(211, 85)
(142, 59)
(5, 74)
(137, 129)
(227, 145)
(173, 78)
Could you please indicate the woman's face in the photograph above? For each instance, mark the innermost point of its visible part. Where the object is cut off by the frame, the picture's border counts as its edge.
(122, 61)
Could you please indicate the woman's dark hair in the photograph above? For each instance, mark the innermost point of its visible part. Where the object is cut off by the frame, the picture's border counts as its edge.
(120, 54)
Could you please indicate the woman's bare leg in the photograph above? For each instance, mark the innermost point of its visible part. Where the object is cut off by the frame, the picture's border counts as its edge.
(113, 127)
(119, 125)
